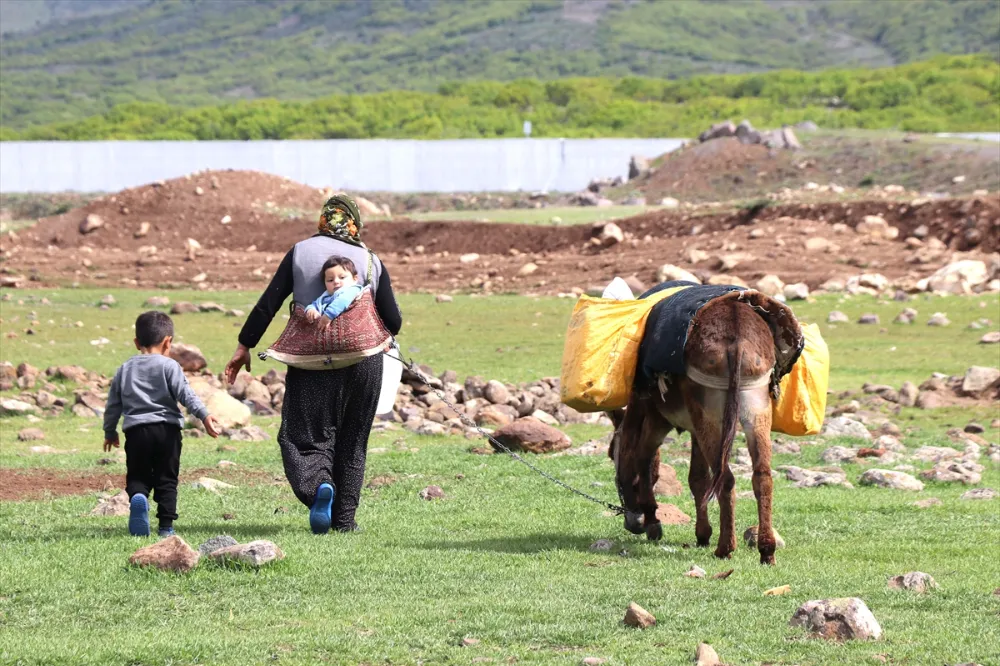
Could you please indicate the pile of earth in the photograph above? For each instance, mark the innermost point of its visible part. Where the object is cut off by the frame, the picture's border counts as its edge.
(725, 169)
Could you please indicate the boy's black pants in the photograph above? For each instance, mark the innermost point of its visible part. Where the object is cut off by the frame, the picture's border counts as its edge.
(153, 462)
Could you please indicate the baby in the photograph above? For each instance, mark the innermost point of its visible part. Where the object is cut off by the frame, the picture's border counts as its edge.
(341, 280)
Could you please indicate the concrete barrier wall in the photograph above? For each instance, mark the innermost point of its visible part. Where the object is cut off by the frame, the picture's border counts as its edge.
(383, 165)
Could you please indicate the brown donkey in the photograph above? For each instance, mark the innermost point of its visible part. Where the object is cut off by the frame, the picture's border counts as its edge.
(730, 378)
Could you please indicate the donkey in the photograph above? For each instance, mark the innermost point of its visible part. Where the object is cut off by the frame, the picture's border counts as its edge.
(731, 378)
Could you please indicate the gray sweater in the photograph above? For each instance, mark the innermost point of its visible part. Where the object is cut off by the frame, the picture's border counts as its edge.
(146, 389)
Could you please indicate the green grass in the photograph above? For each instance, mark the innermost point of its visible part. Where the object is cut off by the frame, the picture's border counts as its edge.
(504, 558)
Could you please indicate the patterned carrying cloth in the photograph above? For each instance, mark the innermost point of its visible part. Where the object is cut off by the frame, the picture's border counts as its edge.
(356, 334)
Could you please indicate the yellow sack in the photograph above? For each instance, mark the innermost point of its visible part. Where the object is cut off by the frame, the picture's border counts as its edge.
(802, 404)
(602, 350)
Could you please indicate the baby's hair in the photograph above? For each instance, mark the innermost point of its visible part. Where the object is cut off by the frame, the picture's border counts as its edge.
(152, 327)
(343, 262)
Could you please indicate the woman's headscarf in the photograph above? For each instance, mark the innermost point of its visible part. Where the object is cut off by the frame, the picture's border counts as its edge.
(341, 219)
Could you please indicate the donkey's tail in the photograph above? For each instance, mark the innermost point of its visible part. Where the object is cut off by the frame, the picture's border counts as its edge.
(730, 417)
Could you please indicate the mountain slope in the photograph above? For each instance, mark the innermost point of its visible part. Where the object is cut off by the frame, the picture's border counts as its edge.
(202, 52)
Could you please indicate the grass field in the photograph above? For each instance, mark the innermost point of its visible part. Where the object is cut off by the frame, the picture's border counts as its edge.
(504, 558)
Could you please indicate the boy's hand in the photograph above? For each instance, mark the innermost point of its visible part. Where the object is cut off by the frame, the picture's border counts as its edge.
(324, 321)
(211, 426)
(312, 315)
(108, 443)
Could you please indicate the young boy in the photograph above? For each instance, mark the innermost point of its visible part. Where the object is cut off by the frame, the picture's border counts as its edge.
(341, 279)
(146, 390)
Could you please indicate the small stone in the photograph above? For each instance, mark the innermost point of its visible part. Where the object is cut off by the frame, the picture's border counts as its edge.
(12, 407)
(189, 357)
(796, 292)
(980, 494)
(91, 223)
(705, 655)
(927, 503)
(255, 554)
(915, 581)
(217, 542)
(869, 319)
(30, 435)
(602, 545)
(837, 317)
(211, 485)
(938, 319)
(470, 642)
(469, 258)
(990, 338)
(639, 617)
(593, 661)
(842, 426)
(183, 307)
(157, 302)
(778, 591)
(974, 428)
(837, 619)
(432, 493)
(443, 298)
(979, 378)
(172, 554)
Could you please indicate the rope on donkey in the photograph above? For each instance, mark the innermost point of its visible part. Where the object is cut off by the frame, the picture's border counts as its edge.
(412, 367)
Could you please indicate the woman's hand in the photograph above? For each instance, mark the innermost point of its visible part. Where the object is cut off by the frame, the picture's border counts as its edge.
(240, 359)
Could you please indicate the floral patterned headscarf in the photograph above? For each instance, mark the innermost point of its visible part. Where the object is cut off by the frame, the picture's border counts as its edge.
(341, 219)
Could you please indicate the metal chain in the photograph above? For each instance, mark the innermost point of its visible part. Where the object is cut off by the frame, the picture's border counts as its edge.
(412, 367)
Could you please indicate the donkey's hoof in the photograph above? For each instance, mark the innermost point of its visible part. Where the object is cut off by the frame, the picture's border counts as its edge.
(633, 523)
(767, 559)
(723, 554)
(654, 531)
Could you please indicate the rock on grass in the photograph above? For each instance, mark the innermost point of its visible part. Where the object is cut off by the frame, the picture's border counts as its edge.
(639, 617)
(705, 655)
(887, 478)
(915, 581)
(217, 542)
(837, 619)
(255, 554)
(170, 554)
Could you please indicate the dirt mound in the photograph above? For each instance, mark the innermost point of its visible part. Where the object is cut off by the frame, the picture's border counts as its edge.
(193, 206)
(725, 169)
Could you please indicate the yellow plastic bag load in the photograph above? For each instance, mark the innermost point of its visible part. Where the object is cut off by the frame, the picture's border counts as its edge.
(802, 404)
(602, 350)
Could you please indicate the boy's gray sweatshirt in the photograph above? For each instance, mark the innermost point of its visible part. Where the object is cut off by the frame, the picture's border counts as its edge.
(146, 389)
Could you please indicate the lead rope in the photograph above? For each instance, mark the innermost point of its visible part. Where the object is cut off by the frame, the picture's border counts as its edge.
(412, 367)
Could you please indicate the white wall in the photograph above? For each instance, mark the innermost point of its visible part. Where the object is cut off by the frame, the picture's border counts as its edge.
(474, 165)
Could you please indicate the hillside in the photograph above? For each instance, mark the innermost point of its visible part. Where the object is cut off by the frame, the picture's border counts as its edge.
(62, 60)
(949, 93)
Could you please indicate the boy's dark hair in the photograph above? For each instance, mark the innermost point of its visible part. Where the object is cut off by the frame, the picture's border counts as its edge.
(152, 327)
(343, 262)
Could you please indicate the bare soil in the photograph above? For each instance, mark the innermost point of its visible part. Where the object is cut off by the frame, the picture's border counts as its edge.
(426, 255)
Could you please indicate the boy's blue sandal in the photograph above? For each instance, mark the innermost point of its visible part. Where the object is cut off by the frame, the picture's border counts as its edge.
(138, 516)
(165, 532)
(320, 513)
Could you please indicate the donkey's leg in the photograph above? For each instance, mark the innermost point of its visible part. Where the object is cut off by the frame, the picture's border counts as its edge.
(654, 429)
(727, 515)
(624, 451)
(700, 482)
(756, 421)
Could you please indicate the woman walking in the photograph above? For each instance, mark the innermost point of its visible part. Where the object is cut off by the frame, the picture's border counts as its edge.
(327, 415)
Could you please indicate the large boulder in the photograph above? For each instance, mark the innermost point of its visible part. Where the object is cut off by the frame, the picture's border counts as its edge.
(530, 434)
(837, 619)
(189, 356)
(979, 379)
(960, 277)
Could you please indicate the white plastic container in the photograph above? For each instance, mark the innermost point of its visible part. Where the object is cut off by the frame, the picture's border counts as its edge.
(392, 372)
(619, 290)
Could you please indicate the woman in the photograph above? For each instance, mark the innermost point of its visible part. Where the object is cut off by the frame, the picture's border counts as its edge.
(327, 414)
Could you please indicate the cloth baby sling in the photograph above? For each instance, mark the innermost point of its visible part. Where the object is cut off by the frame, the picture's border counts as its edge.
(357, 333)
